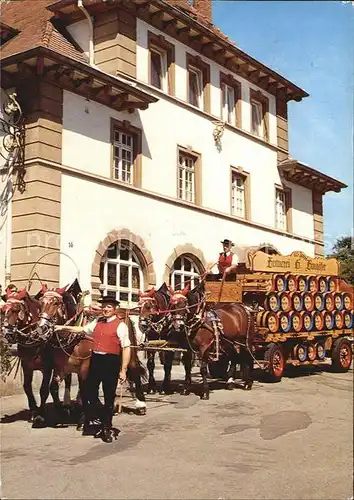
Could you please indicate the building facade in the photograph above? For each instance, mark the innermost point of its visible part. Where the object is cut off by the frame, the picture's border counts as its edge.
(149, 137)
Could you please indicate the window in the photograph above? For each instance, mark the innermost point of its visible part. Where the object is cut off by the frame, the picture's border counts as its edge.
(240, 193)
(195, 87)
(186, 177)
(121, 274)
(126, 153)
(230, 100)
(283, 209)
(259, 114)
(228, 104)
(198, 82)
(162, 56)
(123, 156)
(184, 270)
(158, 69)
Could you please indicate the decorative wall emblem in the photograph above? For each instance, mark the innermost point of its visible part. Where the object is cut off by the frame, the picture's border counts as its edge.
(12, 137)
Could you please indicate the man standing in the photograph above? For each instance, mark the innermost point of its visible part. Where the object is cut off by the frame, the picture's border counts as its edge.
(228, 261)
(110, 359)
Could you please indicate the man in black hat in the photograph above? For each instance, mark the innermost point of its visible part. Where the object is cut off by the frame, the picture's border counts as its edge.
(228, 261)
(109, 361)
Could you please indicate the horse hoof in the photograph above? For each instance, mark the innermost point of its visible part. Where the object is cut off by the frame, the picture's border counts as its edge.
(151, 391)
(204, 396)
(79, 427)
(140, 411)
(248, 386)
(38, 422)
(230, 386)
(185, 392)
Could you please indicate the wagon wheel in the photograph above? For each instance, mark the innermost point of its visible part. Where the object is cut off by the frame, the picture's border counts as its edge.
(218, 369)
(342, 355)
(274, 355)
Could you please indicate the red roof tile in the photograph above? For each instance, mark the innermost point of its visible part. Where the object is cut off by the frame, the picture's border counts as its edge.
(32, 19)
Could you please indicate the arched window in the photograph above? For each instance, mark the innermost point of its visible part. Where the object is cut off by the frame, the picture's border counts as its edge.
(268, 249)
(121, 273)
(185, 269)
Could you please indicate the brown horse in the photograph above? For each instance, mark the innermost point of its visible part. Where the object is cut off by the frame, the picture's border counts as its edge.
(21, 314)
(224, 332)
(71, 352)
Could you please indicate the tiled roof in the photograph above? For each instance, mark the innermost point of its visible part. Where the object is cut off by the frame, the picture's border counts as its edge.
(32, 19)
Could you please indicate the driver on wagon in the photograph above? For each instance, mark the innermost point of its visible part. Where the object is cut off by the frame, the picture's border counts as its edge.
(228, 261)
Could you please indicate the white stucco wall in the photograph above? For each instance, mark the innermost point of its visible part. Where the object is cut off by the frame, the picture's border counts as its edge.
(80, 32)
(142, 61)
(165, 126)
(162, 226)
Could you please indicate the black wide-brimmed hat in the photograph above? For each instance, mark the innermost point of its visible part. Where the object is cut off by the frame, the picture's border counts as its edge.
(227, 242)
(108, 300)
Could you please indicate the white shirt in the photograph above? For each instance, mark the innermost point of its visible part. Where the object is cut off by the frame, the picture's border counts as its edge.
(122, 332)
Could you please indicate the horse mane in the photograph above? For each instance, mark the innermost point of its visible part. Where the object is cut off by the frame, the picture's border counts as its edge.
(33, 306)
(162, 296)
(70, 304)
(135, 362)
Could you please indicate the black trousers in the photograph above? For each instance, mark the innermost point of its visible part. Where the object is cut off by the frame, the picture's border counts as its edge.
(104, 368)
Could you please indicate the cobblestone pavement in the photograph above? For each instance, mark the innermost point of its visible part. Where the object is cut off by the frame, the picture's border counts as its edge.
(291, 440)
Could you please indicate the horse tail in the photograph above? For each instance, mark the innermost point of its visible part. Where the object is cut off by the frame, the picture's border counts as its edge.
(135, 362)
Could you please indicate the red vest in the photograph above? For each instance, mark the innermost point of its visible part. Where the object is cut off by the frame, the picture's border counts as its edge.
(224, 262)
(105, 337)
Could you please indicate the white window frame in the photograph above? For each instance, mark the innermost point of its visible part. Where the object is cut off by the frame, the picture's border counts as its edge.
(192, 276)
(121, 172)
(258, 127)
(228, 112)
(280, 209)
(164, 70)
(186, 176)
(238, 194)
(200, 96)
(131, 263)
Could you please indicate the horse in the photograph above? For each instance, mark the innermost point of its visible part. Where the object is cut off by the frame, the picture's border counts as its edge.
(71, 352)
(153, 322)
(21, 314)
(219, 334)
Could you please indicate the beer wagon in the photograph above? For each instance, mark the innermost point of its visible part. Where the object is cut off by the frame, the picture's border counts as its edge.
(302, 310)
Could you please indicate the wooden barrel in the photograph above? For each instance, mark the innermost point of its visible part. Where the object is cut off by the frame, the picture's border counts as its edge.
(319, 301)
(279, 283)
(292, 282)
(296, 321)
(329, 301)
(302, 284)
(347, 301)
(271, 321)
(272, 302)
(348, 317)
(284, 322)
(320, 350)
(338, 320)
(259, 318)
(312, 284)
(308, 300)
(285, 301)
(311, 352)
(328, 320)
(338, 301)
(307, 320)
(317, 321)
(333, 283)
(296, 301)
(299, 352)
(322, 284)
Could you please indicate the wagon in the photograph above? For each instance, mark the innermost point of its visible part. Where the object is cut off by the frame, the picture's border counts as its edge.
(302, 310)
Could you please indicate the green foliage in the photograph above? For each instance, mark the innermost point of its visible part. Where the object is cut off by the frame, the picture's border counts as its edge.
(343, 250)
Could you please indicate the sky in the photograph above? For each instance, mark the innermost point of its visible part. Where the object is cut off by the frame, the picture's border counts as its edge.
(311, 43)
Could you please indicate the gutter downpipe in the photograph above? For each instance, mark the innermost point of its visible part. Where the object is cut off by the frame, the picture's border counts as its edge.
(91, 47)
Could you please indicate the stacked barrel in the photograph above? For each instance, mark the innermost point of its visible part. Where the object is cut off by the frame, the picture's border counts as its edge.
(299, 303)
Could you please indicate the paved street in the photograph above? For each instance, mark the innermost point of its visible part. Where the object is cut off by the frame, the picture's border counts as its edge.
(291, 440)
